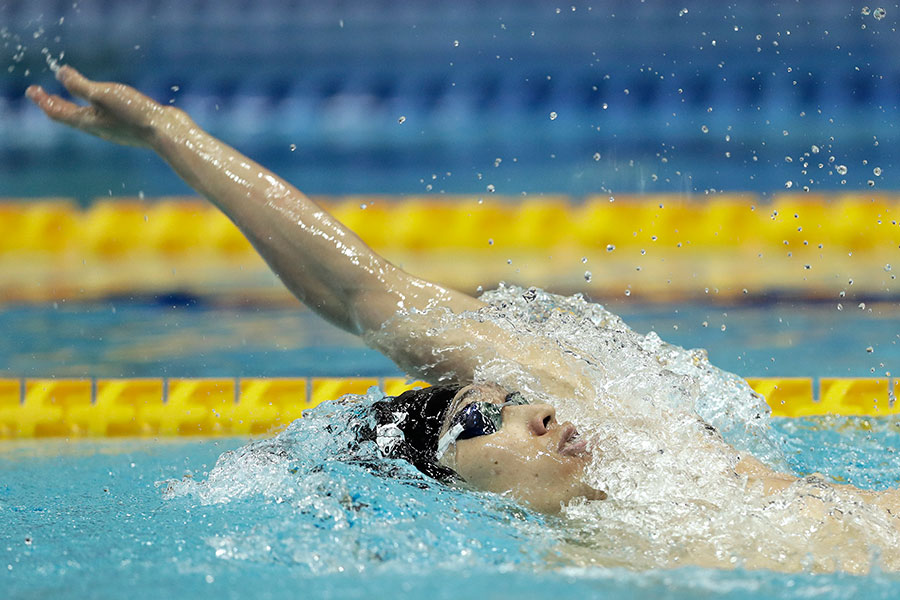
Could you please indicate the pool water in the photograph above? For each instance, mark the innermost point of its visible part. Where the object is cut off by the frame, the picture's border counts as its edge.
(299, 514)
(160, 339)
(94, 520)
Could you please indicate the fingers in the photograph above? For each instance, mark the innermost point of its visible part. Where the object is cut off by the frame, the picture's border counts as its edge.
(116, 99)
(57, 108)
(77, 84)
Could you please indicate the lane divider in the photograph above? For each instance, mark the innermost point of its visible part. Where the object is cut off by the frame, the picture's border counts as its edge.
(174, 226)
(98, 408)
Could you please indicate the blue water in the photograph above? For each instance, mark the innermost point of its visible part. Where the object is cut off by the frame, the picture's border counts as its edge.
(134, 339)
(100, 520)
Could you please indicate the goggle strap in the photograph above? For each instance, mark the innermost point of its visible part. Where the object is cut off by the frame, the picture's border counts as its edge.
(447, 439)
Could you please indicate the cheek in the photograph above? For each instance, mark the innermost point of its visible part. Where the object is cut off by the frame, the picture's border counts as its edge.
(499, 468)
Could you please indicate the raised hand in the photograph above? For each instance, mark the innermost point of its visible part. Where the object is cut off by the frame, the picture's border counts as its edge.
(116, 112)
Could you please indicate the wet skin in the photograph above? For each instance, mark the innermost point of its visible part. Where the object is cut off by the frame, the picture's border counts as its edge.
(532, 458)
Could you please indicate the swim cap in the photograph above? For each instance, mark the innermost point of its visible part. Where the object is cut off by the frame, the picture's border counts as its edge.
(408, 426)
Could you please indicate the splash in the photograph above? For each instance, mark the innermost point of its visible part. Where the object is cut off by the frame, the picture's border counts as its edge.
(674, 495)
(320, 497)
(667, 430)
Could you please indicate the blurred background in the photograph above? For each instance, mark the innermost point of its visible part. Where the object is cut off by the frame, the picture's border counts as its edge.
(723, 173)
(690, 97)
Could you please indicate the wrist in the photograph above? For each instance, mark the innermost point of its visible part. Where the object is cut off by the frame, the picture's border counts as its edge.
(171, 127)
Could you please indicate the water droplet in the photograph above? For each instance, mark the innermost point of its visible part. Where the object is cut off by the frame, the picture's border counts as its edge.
(596, 156)
(870, 183)
(887, 267)
(865, 11)
(293, 147)
(627, 292)
(401, 119)
(553, 115)
(814, 149)
(587, 275)
(870, 349)
(879, 13)
(604, 106)
(682, 12)
(456, 43)
(788, 184)
(877, 171)
(497, 162)
(841, 169)
(705, 323)
(363, 206)
(723, 326)
(610, 247)
(490, 241)
(861, 306)
(491, 188)
(788, 159)
(704, 129)
(584, 260)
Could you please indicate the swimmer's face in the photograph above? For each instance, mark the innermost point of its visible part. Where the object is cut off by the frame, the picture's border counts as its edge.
(532, 457)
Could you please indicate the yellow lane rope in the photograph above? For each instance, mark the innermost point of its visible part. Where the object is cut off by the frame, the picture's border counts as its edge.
(654, 247)
(78, 408)
(187, 225)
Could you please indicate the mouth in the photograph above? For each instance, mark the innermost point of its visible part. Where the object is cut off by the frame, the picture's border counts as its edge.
(571, 443)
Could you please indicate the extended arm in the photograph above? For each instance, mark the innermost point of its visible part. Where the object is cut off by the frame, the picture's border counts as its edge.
(324, 264)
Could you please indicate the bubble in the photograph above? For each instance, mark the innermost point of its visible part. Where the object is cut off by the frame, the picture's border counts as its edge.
(788, 184)
(610, 247)
(870, 349)
(497, 162)
(887, 267)
(456, 43)
(584, 260)
(402, 119)
(723, 327)
(587, 275)
(704, 129)
(596, 156)
(293, 147)
(879, 13)
(865, 11)
(814, 149)
(877, 171)
(490, 241)
(870, 183)
(861, 306)
(491, 188)
(682, 12)
(627, 292)
(841, 169)
(553, 115)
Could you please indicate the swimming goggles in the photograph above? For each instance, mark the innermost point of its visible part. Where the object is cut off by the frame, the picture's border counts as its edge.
(476, 419)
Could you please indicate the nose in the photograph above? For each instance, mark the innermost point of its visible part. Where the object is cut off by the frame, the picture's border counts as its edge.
(542, 417)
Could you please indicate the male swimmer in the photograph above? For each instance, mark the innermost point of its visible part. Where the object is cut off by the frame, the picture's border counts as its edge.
(493, 438)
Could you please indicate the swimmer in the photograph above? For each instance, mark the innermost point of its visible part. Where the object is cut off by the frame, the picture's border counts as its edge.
(491, 437)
